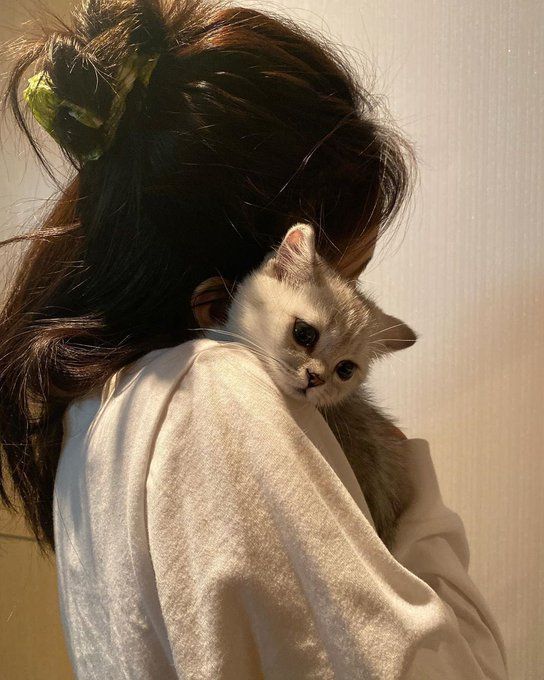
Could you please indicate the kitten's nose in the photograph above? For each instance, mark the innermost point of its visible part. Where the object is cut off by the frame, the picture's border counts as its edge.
(314, 379)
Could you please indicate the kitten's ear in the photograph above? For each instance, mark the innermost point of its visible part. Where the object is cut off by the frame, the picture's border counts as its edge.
(295, 258)
(392, 334)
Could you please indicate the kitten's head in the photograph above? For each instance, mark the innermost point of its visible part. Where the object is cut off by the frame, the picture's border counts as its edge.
(315, 331)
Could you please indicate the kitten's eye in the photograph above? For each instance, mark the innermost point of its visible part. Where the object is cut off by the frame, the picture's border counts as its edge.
(305, 334)
(345, 369)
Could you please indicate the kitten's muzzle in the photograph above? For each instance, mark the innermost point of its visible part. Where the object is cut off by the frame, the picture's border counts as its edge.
(314, 379)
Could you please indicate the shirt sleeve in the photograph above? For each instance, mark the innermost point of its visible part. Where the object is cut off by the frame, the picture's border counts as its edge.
(266, 567)
(431, 542)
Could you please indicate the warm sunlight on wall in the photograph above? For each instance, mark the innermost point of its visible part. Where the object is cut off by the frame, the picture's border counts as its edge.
(31, 639)
(465, 80)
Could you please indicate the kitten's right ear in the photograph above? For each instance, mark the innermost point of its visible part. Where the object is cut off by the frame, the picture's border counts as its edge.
(295, 258)
(390, 334)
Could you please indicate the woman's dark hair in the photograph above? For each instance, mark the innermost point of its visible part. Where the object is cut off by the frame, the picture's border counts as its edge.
(249, 123)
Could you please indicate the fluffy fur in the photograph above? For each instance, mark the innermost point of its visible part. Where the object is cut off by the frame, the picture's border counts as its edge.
(293, 287)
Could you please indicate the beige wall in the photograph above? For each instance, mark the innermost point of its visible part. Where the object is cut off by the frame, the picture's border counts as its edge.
(464, 79)
(31, 638)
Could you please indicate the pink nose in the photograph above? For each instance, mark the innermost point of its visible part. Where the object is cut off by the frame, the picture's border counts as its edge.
(314, 379)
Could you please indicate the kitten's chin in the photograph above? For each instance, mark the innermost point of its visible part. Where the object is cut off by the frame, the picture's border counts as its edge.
(316, 399)
(305, 395)
(297, 393)
(309, 396)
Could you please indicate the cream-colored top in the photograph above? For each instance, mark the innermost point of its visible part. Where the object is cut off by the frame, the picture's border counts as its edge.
(208, 527)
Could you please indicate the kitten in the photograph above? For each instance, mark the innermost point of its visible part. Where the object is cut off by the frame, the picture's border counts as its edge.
(318, 334)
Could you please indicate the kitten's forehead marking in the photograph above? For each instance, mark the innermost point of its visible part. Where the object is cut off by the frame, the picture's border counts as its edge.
(349, 309)
(344, 319)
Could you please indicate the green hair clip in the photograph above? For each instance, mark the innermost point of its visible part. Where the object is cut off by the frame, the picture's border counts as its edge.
(45, 104)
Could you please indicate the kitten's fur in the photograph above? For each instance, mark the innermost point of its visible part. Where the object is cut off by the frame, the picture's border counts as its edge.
(292, 283)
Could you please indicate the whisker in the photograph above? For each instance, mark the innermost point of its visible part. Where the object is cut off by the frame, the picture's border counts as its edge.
(383, 330)
(263, 353)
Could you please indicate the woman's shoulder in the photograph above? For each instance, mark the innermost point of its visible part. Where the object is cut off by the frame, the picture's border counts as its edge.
(207, 372)
(203, 374)
(202, 356)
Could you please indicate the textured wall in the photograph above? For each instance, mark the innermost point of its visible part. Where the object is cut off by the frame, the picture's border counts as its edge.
(465, 80)
(31, 638)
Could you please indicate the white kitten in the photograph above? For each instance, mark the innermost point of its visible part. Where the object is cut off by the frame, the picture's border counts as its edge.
(317, 331)
(317, 335)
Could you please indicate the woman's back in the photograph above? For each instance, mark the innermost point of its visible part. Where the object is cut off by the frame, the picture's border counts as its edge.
(207, 526)
(111, 609)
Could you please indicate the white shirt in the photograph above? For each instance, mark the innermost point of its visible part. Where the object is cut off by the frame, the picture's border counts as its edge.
(209, 527)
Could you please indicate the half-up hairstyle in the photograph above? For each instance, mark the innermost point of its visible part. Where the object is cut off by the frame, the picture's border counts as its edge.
(249, 123)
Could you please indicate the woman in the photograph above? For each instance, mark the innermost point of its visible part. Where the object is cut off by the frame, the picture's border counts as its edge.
(204, 528)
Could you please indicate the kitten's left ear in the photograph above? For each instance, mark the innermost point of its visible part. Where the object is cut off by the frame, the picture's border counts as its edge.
(296, 257)
(392, 334)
